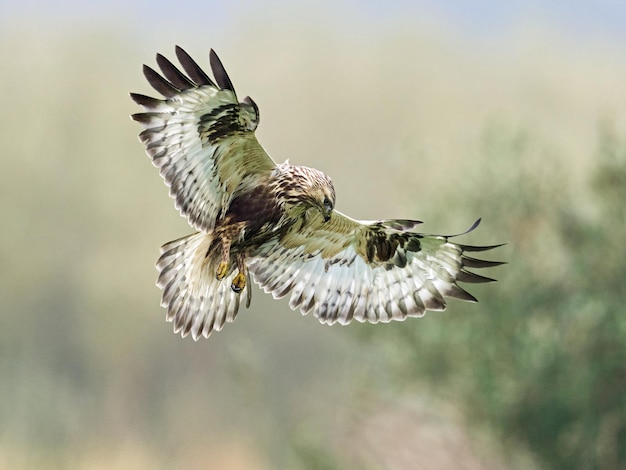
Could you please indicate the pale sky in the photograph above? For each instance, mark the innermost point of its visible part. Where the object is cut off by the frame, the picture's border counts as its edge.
(603, 20)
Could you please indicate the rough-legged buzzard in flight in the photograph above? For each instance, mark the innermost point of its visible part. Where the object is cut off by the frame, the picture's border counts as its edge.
(275, 224)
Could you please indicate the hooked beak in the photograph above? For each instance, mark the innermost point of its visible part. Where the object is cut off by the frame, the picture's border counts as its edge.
(327, 210)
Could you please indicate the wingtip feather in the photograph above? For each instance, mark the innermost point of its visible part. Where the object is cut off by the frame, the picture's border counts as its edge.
(145, 101)
(171, 73)
(459, 293)
(219, 72)
(190, 66)
(480, 263)
(159, 83)
(472, 278)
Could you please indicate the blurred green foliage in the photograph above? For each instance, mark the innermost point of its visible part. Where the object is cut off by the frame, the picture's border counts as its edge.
(542, 360)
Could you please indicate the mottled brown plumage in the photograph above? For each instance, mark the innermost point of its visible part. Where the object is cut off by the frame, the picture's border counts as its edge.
(275, 224)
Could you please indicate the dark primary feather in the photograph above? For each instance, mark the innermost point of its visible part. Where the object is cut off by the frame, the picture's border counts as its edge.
(159, 83)
(174, 81)
(146, 101)
(171, 72)
(472, 278)
(481, 248)
(194, 71)
(480, 263)
(144, 118)
(221, 77)
(459, 293)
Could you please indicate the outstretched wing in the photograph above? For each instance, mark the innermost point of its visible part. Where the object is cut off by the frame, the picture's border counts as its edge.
(368, 271)
(200, 137)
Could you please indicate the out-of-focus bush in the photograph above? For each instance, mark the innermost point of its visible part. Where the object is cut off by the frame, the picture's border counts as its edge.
(541, 360)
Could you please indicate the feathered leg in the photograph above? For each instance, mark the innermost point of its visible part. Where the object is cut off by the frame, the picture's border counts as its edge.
(222, 268)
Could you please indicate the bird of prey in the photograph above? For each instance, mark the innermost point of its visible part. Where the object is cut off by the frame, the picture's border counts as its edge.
(275, 224)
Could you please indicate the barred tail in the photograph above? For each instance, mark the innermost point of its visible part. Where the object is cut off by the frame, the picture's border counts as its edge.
(196, 301)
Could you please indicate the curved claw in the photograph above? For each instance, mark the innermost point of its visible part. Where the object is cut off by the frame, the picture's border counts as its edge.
(239, 282)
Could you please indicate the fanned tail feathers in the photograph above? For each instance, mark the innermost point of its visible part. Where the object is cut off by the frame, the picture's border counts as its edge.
(196, 301)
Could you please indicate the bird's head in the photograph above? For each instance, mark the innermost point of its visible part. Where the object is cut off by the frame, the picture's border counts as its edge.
(323, 197)
(308, 187)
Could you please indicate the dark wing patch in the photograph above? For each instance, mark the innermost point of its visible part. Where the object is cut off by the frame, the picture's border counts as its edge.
(222, 122)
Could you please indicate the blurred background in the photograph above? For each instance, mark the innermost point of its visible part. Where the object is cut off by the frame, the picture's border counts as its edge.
(441, 111)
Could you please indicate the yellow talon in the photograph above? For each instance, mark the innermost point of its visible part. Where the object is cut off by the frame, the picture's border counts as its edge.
(239, 283)
(221, 271)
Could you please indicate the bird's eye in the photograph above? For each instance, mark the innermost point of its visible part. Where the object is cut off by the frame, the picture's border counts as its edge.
(327, 204)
